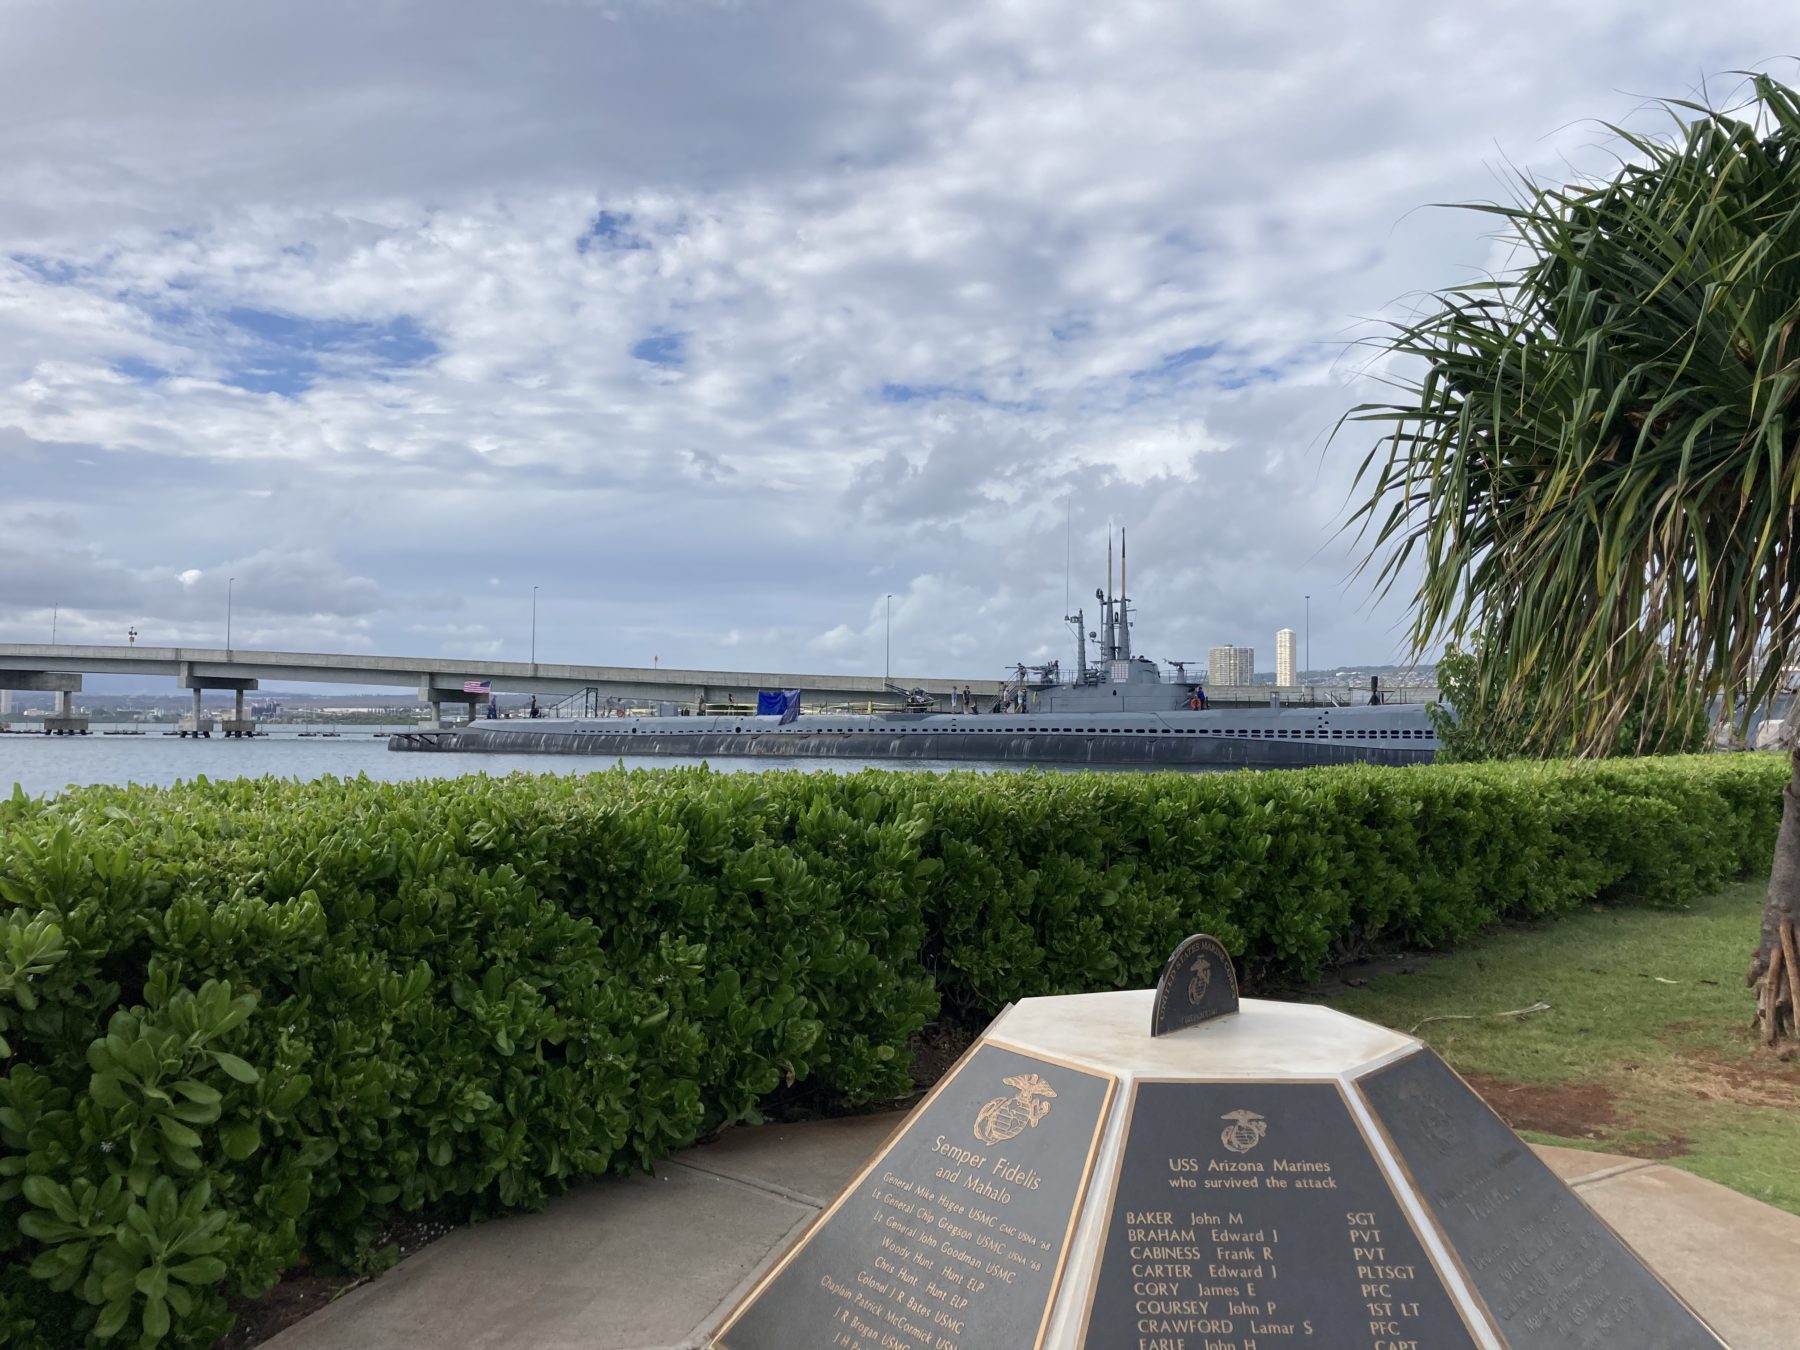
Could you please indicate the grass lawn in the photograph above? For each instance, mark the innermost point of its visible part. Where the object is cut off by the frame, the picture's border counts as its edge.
(1646, 1047)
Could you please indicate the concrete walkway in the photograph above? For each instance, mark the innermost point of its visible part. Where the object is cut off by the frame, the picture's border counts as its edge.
(651, 1263)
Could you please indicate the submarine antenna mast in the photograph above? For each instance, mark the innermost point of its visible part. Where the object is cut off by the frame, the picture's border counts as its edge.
(1077, 618)
(1124, 644)
(1106, 607)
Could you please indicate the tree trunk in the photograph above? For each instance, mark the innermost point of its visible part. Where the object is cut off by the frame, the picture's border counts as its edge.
(1783, 904)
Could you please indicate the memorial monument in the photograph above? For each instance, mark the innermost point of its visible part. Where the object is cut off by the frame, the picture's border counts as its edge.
(1174, 1169)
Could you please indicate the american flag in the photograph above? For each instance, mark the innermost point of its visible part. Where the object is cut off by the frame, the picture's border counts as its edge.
(478, 686)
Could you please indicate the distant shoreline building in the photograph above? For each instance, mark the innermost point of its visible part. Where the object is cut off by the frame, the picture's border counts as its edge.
(1285, 652)
(1227, 666)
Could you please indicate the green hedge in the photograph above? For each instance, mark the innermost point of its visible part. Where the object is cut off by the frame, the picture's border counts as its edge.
(251, 1022)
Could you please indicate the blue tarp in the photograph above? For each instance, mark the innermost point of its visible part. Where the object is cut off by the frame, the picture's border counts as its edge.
(782, 703)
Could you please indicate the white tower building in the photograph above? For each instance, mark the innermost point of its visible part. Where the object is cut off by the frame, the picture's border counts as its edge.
(1226, 666)
(1285, 652)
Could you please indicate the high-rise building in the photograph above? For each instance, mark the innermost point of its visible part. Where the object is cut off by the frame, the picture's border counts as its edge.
(1285, 651)
(1231, 665)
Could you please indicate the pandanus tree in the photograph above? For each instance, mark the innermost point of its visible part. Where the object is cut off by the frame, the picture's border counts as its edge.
(1593, 460)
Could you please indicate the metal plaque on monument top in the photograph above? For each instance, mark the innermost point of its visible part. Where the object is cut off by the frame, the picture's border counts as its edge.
(1247, 1212)
(1549, 1272)
(957, 1231)
(1198, 983)
(1286, 1177)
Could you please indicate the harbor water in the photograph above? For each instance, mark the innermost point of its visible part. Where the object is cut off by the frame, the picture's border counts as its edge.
(46, 764)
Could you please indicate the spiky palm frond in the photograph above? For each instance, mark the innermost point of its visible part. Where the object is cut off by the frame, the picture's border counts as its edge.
(1597, 466)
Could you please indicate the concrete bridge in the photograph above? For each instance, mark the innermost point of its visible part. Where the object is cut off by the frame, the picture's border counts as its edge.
(58, 668)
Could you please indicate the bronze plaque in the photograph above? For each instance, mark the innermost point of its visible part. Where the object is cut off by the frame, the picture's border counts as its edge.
(954, 1236)
(1553, 1276)
(1254, 1215)
(1197, 983)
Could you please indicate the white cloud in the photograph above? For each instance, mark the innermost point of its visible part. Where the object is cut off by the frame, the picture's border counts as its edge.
(718, 322)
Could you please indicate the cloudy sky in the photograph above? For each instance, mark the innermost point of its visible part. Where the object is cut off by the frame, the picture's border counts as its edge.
(720, 321)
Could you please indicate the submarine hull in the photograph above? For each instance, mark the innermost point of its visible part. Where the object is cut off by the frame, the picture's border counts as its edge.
(990, 744)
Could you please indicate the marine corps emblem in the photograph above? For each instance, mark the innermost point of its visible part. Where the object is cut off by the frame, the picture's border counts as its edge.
(1245, 1133)
(1200, 980)
(1007, 1117)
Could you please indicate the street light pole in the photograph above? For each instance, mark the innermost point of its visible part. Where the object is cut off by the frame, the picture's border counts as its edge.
(887, 662)
(55, 610)
(534, 591)
(229, 583)
(1309, 632)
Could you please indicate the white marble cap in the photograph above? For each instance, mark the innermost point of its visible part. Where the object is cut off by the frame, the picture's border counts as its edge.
(1263, 1040)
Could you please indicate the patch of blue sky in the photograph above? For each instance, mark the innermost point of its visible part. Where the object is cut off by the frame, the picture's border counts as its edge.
(609, 229)
(287, 354)
(662, 349)
(178, 316)
(1174, 361)
(1223, 372)
(926, 393)
(1244, 379)
(141, 371)
(399, 341)
(912, 393)
(51, 271)
(287, 378)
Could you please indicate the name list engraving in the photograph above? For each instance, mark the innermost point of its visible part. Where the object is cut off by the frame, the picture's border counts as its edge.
(954, 1237)
(1251, 1216)
(1552, 1275)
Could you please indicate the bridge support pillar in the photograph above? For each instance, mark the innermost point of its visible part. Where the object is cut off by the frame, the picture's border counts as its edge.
(198, 723)
(468, 705)
(237, 726)
(201, 723)
(438, 695)
(64, 721)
